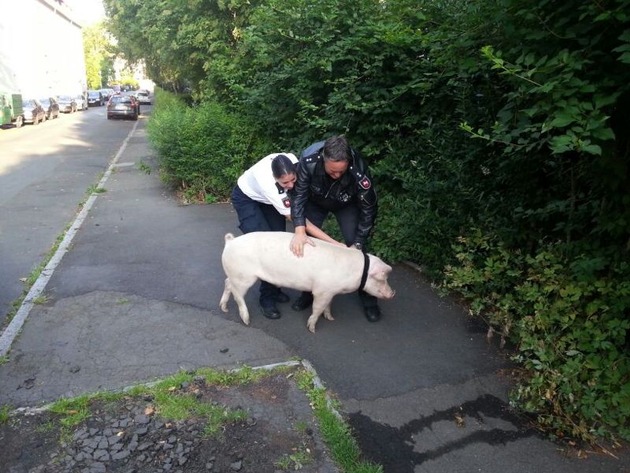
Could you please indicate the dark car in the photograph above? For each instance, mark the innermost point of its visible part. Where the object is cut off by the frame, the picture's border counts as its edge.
(107, 93)
(95, 98)
(33, 111)
(51, 107)
(67, 104)
(123, 106)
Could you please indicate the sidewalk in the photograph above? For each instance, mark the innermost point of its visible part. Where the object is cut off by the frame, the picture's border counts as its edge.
(136, 297)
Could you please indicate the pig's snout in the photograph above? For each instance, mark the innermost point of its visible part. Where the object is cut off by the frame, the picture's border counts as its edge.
(387, 293)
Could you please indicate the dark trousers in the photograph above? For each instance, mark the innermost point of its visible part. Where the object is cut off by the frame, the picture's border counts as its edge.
(258, 217)
(348, 219)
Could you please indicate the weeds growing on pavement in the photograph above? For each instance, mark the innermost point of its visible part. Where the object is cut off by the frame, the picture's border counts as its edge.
(143, 167)
(335, 431)
(73, 411)
(4, 414)
(41, 299)
(296, 460)
(96, 190)
(32, 277)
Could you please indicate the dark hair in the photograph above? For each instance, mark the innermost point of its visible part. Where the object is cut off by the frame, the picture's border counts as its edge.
(282, 165)
(336, 148)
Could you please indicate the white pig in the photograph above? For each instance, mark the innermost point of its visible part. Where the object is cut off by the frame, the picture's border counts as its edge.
(325, 270)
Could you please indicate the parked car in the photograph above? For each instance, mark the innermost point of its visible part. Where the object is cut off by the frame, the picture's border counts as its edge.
(143, 97)
(107, 93)
(51, 107)
(123, 106)
(67, 103)
(33, 111)
(95, 98)
(82, 102)
(11, 112)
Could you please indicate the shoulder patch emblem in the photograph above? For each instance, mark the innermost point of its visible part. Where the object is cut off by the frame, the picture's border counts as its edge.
(365, 183)
(286, 202)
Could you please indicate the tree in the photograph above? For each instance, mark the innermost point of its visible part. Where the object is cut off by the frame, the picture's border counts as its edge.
(97, 47)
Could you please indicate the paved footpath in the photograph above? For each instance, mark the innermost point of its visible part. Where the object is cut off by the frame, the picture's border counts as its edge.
(136, 296)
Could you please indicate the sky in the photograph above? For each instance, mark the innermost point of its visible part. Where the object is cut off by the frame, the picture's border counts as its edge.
(88, 11)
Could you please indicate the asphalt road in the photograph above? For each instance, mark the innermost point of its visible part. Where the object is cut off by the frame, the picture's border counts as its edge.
(45, 173)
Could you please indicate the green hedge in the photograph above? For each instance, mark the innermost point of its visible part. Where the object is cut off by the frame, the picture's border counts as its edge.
(203, 149)
(568, 317)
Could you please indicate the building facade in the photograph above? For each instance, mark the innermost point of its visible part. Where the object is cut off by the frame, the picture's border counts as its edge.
(41, 49)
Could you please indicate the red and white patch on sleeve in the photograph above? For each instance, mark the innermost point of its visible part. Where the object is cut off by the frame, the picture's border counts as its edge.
(287, 202)
(365, 183)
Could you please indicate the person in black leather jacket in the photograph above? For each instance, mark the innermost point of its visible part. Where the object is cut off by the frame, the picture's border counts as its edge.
(333, 177)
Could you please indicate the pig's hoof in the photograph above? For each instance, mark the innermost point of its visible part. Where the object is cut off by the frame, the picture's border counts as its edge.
(310, 323)
(224, 307)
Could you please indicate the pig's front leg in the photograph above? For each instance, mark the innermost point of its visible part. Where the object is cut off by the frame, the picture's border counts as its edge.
(321, 303)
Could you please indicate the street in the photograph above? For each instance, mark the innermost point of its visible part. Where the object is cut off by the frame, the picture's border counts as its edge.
(45, 173)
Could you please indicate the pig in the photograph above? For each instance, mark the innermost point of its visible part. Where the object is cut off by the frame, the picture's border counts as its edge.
(325, 270)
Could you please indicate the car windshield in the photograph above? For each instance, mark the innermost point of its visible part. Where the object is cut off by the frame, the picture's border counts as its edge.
(65, 98)
(28, 103)
(121, 99)
(93, 94)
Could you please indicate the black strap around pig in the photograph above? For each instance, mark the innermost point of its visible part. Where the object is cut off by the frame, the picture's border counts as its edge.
(366, 267)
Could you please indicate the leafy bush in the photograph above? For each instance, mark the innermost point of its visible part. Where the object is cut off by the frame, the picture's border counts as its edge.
(568, 319)
(204, 149)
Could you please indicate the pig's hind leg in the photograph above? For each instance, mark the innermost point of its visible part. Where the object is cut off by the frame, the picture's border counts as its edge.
(320, 304)
(227, 292)
(238, 288)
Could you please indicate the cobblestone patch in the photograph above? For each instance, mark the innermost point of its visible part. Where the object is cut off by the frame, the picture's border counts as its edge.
(129, 436)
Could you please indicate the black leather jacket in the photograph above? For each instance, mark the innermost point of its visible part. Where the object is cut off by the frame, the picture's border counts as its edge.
(355, 187)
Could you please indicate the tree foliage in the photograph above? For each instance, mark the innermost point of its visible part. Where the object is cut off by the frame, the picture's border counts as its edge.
(497, 134)
(98, 52)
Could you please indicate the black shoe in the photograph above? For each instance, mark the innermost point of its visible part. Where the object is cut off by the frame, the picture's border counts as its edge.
(282, 298)
(270, 311)
(373, 314)
(302, 302)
